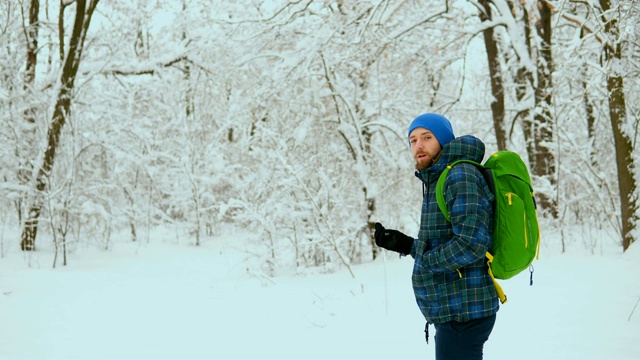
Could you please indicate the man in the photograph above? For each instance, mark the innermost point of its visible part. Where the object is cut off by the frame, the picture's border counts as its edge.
(450, 276)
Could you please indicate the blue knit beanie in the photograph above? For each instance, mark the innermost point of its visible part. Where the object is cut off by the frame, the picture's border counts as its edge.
(437, 124)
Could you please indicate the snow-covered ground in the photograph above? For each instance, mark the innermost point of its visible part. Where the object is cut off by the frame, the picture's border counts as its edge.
(163, 300)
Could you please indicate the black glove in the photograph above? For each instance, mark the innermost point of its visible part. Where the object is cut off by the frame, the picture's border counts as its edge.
(392, 240)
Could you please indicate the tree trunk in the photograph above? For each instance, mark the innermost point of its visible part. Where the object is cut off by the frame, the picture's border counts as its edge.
(538, 125)
(32, 43)
(370, 200)
(25, 152)
(524, 77)
(624, 160)
(60, 113)
(544, 163)
(497, 86)
(623, 144)
(591, 118)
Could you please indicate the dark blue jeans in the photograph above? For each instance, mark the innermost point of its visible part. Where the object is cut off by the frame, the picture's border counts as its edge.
(463, 340)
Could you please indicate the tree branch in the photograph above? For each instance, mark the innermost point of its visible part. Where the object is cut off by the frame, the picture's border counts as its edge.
(429, 19)
(151, 70)
(585, 27)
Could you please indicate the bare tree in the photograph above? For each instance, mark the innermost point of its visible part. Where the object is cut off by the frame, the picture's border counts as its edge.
(31, 34)
(25, 148)
(533, 70)
(588, 107)
(72, 57)
(495, 74)
(618, 114)
(542, 160)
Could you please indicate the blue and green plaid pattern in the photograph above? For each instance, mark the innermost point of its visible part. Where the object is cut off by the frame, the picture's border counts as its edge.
(450, 278)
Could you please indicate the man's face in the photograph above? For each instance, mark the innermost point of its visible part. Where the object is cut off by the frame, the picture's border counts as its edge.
(424, 146)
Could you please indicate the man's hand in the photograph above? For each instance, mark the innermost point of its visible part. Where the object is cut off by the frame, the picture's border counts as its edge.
(392, 240)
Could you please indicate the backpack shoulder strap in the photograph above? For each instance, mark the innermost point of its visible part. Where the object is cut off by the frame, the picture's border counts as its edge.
(440, 186)
(501, 295)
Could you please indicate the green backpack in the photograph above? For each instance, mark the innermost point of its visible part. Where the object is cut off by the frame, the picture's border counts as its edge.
(516, 234)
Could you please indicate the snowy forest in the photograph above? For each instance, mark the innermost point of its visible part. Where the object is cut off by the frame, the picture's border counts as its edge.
(288, 119)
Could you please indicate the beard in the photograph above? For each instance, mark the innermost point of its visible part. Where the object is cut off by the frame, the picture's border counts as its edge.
(422, 164)
(425, 162)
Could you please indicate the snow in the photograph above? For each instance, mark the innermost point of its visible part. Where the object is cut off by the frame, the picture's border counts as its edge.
(171, 300)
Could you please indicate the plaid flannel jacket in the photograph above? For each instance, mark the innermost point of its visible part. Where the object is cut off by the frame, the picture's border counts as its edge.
(450, 274)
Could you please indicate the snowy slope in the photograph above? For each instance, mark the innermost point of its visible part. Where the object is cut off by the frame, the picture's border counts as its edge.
(168, 301)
